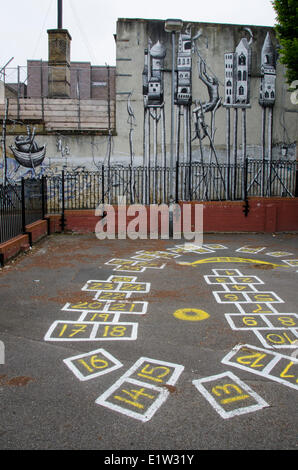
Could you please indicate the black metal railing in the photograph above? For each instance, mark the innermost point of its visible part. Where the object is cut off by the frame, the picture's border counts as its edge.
(151, 185)
(21, 204)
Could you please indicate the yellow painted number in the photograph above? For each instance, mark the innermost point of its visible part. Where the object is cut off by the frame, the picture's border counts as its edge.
(227, 390)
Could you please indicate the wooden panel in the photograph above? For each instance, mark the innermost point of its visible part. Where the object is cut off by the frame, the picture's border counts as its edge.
(68, 114)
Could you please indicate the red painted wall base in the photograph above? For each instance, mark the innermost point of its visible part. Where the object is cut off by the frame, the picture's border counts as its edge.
(266, 215)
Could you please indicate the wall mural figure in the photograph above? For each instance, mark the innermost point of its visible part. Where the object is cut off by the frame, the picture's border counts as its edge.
(203, 130)
(153, 91)
(27, 152)
(237, 96)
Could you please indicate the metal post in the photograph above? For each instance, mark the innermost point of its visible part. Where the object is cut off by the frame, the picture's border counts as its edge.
(103, 184)
(60, 14)
(18, 94)
(43, 196)
(63, 202)
(23, 205)
(189, 155)
(164, 156)
(228, 141)
(177, 182)
(4, 156)
(270, 126)
(263, 149)
(172, 119)
(244, 179)
(235, 152)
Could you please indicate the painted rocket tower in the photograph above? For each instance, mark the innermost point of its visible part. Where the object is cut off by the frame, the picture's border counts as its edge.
(153, 89)
(237, 75)
(184, 64)
(268, 72)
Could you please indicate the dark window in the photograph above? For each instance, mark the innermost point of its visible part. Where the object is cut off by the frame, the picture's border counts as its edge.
(242, 59)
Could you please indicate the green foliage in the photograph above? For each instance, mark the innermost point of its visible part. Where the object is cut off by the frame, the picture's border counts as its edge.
(287, 34)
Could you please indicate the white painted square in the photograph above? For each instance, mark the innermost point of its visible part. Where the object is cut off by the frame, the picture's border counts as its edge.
(114, 364)
(253, 308)
(279, 254)
(116, 278)
(234, 382)
(213, 279)
(270, 359)
(238, 321)
(160, 392)
(215, 246)
(278, 338)
(227, 272)
(91, 331)
(252, 249)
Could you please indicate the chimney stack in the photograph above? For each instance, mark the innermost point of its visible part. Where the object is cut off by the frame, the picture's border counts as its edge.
(59, 59)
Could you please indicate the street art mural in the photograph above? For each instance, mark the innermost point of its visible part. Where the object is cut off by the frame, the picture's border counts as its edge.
(197, 150)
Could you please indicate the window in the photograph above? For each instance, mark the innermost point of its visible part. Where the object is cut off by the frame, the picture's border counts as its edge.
(241, 91)
(242, 59)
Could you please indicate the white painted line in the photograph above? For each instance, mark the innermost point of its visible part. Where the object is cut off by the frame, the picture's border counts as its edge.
(233, 384)
(291, 262)
(102, 357)
(215, 246)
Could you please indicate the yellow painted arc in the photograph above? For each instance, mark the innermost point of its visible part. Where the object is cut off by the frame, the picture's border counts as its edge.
(228, 259)
(191, 314)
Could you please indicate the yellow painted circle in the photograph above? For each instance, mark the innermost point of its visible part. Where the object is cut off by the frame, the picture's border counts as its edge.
(191, 314)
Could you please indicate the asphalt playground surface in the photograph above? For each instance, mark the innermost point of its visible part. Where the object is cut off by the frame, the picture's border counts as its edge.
(205, 357)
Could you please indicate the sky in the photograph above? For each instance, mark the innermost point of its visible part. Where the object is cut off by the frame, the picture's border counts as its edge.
(92, 23)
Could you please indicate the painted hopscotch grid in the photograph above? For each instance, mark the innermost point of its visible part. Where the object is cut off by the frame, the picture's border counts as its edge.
(189, 248)
(228, 395)
(141, 391)
(279, 254)
(93, 364)
(278, 338)
(281, 334)
(255, 308)
(247, 297)
(252, 250)
(128, 265)
(279, 321)
(137, 307)
(91, 331)
(144, 255)
(125, 287)
(246, 280)
(269, 364)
